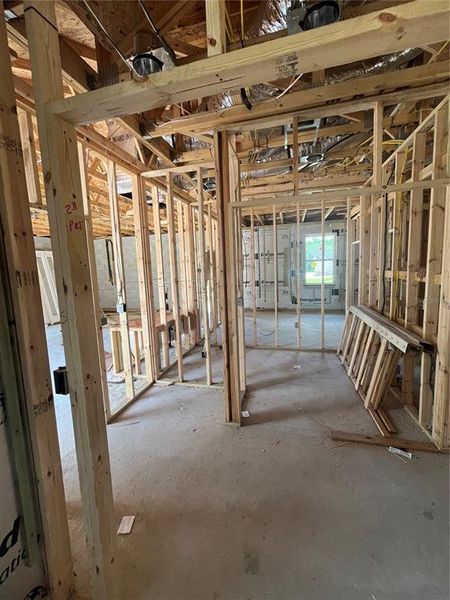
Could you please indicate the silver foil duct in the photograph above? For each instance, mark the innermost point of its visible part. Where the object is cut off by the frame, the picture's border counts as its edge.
(391, 62)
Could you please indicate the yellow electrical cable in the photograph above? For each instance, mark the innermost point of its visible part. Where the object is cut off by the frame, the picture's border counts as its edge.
(242, 20)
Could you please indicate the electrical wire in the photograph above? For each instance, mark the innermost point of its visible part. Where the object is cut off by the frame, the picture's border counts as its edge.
(157, 32)
(289, 86)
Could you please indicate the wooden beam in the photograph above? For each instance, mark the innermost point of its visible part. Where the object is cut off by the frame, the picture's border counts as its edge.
(374, 86)
(171, 12)
(82, 78)
(178, 169)
(312, 196)
(71, 259)
(381, 32)
(267, 190)
(245, 146)
(215, 27)
(29, 157)
(77, 72)
(373, 440)
(411, 94)
(223, 151)
(20, 256)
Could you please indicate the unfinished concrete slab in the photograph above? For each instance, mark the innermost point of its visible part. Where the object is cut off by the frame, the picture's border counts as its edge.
(273, 509)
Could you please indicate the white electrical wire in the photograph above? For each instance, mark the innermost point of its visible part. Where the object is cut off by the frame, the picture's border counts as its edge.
(289, 87)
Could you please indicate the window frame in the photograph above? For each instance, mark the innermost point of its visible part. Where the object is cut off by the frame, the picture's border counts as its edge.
(332, 260)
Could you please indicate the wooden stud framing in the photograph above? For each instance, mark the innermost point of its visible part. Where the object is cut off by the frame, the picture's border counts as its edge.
(275, 274)
(211, 285)
(408, 378)
(441, 412)
(374, 274)
(26, 299)
(223, 152)
(348, 259)
(236, 181)
(174, 278)
(215, 27)
(298, 277)
(363, 249)
(295, 167)
(83, 159)
(192, 277)
(144, 270)
(71, 259)
(160, 276)
(405, 204)
(253, 274)
(182, 265)
(29, 158)
(434, 257)
(415, 232)
(322, 280)
(204, 297)
(119, 266)
(217, 269)
(397, 233)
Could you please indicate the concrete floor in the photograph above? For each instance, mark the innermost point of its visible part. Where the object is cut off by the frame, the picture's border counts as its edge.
(275, 509)
(195, 367)
(310, 328)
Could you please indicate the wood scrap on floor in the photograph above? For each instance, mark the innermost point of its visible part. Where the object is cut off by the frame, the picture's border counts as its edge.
(374, 440)
(126, 525)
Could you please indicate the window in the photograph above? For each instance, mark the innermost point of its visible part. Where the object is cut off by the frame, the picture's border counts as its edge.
(313, 259)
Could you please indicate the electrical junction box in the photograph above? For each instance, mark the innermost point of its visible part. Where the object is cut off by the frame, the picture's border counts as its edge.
(61, 381)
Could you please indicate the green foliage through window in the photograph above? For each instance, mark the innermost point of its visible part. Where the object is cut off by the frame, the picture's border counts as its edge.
(313, 259)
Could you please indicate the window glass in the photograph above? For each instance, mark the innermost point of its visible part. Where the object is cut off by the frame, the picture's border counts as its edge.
(313, 259)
